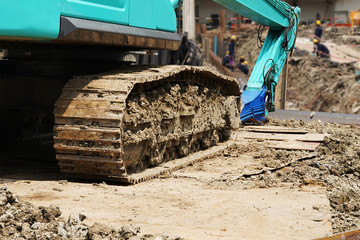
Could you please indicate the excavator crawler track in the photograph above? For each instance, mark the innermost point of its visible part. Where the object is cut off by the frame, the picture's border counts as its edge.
(113, 125)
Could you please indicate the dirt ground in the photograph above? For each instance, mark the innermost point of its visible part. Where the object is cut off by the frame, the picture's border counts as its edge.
(248, 191)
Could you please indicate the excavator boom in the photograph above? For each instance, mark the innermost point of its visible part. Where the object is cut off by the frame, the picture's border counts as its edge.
(258, 97)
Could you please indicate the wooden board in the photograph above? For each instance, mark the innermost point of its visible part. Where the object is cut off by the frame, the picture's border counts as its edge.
(294, 145)
(281, 137)
(275, 129)
(352, 235)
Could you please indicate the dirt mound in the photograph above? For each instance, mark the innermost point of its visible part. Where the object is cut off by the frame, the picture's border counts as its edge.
(324, 86)
(313, 84)
(22, 220)
(340, 35)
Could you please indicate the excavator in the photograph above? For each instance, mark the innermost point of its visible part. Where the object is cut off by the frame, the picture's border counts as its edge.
(115, 116)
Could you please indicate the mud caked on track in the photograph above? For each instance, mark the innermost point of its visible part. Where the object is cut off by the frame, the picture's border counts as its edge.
(111, 125)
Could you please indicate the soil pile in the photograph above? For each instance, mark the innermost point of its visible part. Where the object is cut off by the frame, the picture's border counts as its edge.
(340, 35)
(313, 84)
(22, 220)
(323, 86)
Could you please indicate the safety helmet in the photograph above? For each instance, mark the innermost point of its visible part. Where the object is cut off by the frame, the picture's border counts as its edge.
(246, 63)
(233, 37)
(316, 41)
(318, 22)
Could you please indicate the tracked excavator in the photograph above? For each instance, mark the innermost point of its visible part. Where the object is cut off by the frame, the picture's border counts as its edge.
(131, 117)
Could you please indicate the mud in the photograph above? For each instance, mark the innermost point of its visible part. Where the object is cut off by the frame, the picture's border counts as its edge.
(172, 110)
(176, 119)
(22, 220)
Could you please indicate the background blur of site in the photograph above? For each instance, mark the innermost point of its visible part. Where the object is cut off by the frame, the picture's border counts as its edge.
(313, 84)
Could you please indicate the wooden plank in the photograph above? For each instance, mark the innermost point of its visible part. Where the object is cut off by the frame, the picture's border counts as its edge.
(294, 145)
(280, 137)
(222, 20)
(115, 152)
(275, 129)
(280, 93)
(352, 235)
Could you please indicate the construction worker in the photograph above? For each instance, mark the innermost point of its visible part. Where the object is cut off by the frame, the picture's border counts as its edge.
(242, 59)
(321, 50)
(226, 59)
(243, 66)
(232, 51)
(318, 30)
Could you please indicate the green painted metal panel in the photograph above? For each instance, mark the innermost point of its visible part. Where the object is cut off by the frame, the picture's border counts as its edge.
(113, 11)
(40, 19)
(30, 18)
(163, 14)
(260, 11)
(139, 17)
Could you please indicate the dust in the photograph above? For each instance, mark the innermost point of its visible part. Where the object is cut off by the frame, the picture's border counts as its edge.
(22, 220)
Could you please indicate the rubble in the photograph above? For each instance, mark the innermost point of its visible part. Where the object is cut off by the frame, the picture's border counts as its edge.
(22, 220)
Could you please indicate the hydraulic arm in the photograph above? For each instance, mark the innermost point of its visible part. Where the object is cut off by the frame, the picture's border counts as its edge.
(259, 96)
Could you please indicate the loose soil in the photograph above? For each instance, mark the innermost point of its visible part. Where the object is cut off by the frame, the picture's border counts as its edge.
(249, 191)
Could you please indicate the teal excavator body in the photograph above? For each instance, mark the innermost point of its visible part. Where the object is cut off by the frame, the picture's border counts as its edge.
(113, 125)
(151, 24)
(110, 22)
(259, 96)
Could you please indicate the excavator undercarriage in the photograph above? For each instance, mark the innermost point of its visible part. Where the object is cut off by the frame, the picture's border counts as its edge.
(112, 125)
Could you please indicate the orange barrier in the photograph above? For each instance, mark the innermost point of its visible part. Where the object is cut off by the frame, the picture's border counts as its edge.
(355, 18)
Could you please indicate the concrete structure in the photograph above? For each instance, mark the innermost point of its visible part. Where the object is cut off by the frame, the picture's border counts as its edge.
(205, 8)
(189, 18)
(327, 9)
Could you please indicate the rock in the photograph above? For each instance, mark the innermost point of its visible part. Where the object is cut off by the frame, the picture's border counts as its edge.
(57, 189)
(82, 217)
(62, 232)
(3, 200)
(63, 182)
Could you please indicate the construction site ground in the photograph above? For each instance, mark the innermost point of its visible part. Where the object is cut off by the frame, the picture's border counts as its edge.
(250, 190)
(300, 182)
